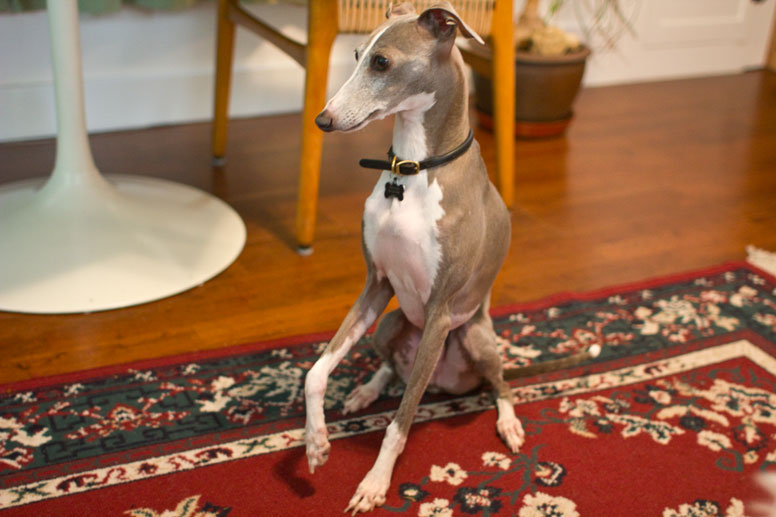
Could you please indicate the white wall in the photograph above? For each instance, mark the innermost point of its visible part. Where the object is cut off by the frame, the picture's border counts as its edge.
(144, 68)
(147, 68)
(682, 38)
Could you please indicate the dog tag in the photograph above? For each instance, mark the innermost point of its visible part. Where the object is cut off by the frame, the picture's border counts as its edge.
(393, 189)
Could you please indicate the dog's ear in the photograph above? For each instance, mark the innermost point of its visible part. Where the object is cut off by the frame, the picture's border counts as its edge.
(399, 9)
(442, 20)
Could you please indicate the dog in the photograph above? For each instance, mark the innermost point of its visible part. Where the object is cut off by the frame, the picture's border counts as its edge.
(435, 233)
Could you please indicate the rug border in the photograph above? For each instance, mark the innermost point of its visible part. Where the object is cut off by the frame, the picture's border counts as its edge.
(270, 344)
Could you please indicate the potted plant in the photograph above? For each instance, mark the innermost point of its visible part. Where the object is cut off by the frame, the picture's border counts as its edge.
(549, 64)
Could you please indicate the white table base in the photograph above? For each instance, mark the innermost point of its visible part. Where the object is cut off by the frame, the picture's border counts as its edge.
(141, 240)
(78, 242)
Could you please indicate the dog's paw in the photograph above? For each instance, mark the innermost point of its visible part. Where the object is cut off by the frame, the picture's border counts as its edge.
(370, 494)
(511, 431)
(362, 396)
(318, 448)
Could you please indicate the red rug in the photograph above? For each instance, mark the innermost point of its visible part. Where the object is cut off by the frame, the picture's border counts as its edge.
(675, 418)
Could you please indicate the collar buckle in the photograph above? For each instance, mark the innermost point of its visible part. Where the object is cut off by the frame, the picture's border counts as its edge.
(404, 167)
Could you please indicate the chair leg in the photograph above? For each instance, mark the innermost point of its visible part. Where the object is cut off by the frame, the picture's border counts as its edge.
(224, 53)
(504, 99)
(322, 29)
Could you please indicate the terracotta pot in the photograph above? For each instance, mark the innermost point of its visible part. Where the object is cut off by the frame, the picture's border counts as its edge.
(545, 89)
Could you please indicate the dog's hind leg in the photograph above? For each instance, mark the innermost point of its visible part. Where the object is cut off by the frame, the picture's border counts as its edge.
(479, 340)
(363, 395)
(391, 331)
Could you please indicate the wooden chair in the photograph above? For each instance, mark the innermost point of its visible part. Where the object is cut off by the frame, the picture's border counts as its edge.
(327, 18)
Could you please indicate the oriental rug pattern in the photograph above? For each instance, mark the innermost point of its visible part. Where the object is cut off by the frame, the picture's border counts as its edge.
(675, 417)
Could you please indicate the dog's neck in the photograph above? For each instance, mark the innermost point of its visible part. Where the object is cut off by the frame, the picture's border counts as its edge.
(431, 124)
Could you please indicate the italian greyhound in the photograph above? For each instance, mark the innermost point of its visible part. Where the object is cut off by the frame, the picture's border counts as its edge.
(434, 234)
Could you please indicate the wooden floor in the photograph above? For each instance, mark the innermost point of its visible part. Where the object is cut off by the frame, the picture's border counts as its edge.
(651, 179)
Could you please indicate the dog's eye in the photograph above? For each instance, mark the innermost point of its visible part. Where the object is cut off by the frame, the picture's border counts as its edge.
(356, 53)
(380, 63)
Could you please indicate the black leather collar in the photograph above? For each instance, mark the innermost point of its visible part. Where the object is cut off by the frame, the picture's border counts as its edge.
(409, 167)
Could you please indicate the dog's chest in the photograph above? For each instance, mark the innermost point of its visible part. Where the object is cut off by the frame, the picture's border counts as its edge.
(402, 237)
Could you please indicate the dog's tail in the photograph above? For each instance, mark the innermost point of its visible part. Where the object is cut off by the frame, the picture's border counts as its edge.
(519, 372)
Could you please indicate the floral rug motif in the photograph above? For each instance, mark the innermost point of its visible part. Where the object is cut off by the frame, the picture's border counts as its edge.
(697, 406)
(684, 392)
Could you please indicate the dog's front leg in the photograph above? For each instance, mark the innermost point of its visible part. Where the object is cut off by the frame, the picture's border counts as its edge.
(371, 491)
(373, 300)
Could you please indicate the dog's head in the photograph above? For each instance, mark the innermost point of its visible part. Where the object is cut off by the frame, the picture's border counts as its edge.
(398, 67)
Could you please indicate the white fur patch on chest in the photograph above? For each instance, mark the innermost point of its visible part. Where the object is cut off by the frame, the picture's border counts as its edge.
(402, 238)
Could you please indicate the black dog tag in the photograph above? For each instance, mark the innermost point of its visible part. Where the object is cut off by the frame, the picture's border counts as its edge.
(393, 189)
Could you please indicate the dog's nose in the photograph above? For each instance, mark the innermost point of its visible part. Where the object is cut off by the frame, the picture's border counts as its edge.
(325, 121)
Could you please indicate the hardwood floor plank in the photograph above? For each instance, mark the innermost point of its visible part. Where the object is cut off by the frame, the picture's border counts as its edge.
(651, 179)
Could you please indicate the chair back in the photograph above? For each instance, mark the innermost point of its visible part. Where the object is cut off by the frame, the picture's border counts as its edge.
(364, 15)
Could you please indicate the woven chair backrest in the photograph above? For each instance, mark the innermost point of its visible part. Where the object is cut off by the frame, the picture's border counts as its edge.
(365, 15)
